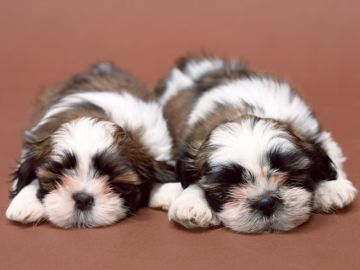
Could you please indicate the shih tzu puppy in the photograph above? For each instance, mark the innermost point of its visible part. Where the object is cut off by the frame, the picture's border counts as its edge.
(94, 150)
(250, 153)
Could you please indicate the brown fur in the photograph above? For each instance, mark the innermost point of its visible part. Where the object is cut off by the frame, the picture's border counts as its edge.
(177, 111)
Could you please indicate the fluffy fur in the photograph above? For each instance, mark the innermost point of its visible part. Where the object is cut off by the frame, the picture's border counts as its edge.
(94, 149)
(249, 151)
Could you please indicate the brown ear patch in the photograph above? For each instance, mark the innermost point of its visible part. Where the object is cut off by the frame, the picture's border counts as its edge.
(35, 154)
(322, 167)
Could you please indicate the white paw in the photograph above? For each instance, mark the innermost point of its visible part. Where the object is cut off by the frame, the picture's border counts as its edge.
(192, 211)
(163, 195)
(25, 207)
(330, 195)
(25, 212)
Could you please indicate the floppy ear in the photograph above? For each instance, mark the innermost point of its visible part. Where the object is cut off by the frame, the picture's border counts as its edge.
(24, 175)
(36, 151)
(323, 168)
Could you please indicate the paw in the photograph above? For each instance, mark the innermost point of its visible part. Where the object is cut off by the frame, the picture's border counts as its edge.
(163, 195)
(331, 195)
(192, 212)
(25, 212)
(25, 207)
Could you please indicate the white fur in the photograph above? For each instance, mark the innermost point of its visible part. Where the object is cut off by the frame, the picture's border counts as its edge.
(176, 82)
(239, 217)
(245, 144)
(197, 68)
(60, 206)
(179, 81)
(191, 209)
(270, 98)
(128, 112)
(163, 195)
(332, 195)
(84, 137)
(26, 207)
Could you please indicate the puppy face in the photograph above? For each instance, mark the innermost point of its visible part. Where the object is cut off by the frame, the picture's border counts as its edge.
(259, 176)
(86, 174)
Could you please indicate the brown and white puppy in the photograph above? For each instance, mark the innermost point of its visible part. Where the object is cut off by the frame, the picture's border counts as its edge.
(93, 151)
(250, 152)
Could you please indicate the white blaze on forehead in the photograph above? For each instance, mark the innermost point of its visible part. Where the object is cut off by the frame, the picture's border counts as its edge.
(245, 143)
(84, 137)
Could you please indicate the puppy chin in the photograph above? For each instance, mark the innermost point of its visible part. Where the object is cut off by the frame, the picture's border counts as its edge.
(107, 209)
(295, 210)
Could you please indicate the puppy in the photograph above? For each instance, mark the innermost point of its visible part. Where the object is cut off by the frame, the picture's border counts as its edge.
(249, 151)
(93, 152)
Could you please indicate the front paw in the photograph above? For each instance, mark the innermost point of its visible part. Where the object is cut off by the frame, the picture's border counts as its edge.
(163, 195)
(192, 212)
(25, 210)
(331, 195)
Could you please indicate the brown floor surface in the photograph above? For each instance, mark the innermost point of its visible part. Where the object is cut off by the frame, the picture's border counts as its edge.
(314, 44)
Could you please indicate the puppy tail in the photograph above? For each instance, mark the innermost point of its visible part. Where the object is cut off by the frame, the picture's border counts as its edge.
(203, 70)
(196, 66)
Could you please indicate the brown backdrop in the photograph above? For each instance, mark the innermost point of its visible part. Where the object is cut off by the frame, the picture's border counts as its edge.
(314, 44)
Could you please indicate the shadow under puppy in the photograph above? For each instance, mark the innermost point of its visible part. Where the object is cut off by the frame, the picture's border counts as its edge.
(94, 149)
(249, 151)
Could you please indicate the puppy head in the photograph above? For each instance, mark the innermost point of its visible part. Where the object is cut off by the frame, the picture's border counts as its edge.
(91, 173)
(257, 174)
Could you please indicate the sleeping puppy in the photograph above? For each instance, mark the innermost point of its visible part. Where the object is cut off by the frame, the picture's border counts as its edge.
(249, 151)
(92, 153)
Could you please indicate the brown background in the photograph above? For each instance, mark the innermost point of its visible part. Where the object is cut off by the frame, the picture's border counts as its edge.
(314, 44)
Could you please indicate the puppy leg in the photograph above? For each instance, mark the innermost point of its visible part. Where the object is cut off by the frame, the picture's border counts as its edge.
(163, 195)
(191, 209)
(337, 193)
(26, 207)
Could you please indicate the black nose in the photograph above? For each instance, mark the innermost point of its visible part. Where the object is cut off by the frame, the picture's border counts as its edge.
(267, 205)
(83, 200)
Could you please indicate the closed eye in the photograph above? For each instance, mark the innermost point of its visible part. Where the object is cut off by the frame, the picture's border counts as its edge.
(52, 180)
(287, 161)
(301, 183)
(50, 183)
(295, 182)
(231, 174)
